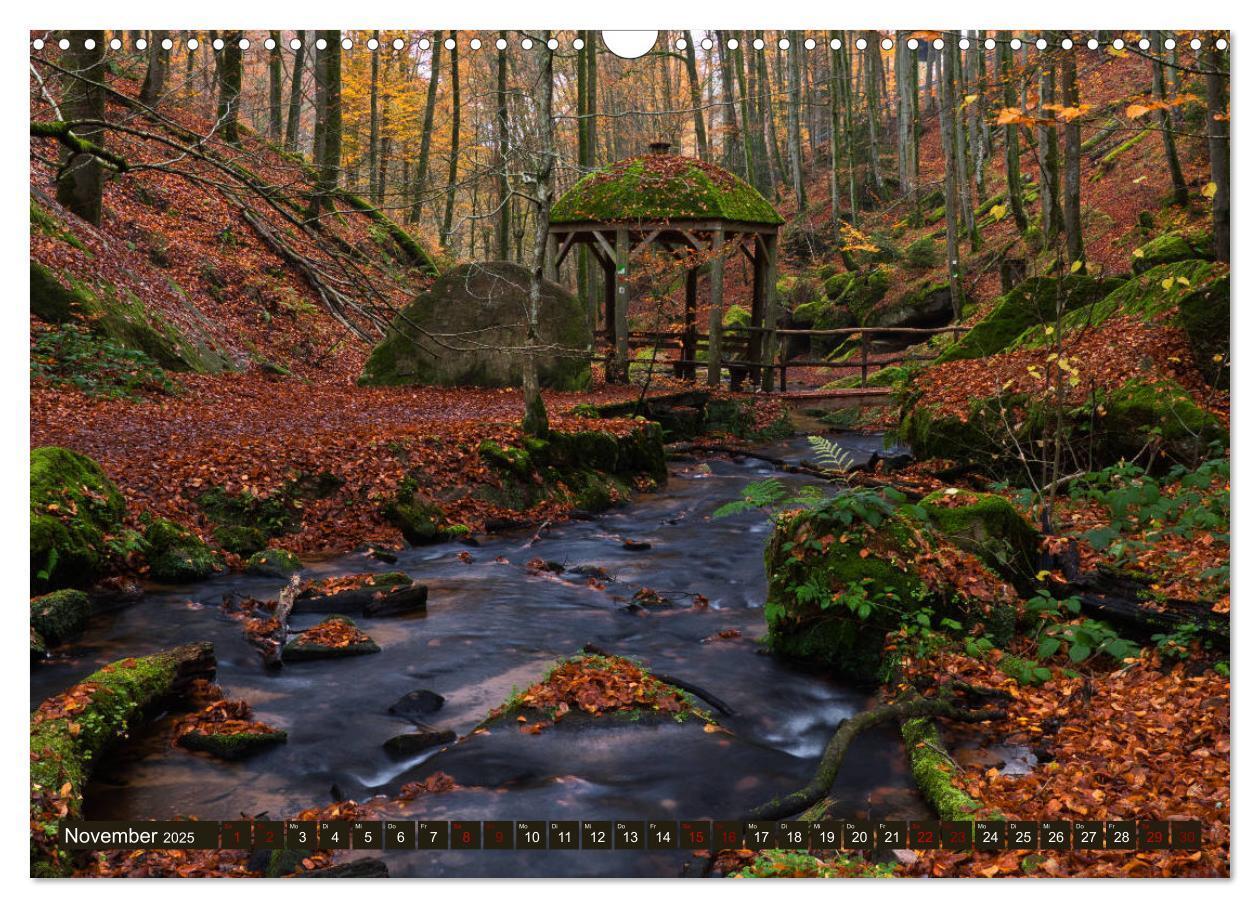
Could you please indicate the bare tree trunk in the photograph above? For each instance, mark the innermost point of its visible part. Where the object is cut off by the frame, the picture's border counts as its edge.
(535, 422)
(1218, 143)
(374, 121)
(1014, 180)
(948, 114)
(452, 171)
(732, 158)
(293, 128)
(795, 152)
(426, 132)
(874, 71)
(1181, 194)
(275, 89)
(82, 180)
(155, 75)
(230, 88)
(697, 112)
(1072, 163)
(328, 122)
(1048, 153)
(503, 222)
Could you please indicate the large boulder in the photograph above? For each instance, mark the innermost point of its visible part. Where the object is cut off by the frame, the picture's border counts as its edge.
(1180, 246)
(463, 330)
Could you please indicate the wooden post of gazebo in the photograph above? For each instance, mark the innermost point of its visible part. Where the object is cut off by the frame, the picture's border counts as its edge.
(771, 316)
(717, 269)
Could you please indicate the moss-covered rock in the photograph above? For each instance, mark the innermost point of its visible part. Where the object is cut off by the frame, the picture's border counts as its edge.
(1179, 246)
(925, 306)
(70, 731)
(989, 527)
(1031, 303)
(236, 746)
(59, 616)
(119, 315)
(418, 518)
(176, 554)
(307, 646)
(273, 562)
(662, 187)
(1155, 295)
(1204, 314)
(859, 291)
(842, 576)
(737, 316)
(481, 312)
(75, 510)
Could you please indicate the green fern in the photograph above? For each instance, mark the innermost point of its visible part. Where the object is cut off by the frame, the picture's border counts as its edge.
(831, 457)
(763, 493)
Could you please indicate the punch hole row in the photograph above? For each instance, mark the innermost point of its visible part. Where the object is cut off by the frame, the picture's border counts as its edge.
(527, 43)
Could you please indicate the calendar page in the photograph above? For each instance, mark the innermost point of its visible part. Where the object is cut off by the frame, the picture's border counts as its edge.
(655, 454)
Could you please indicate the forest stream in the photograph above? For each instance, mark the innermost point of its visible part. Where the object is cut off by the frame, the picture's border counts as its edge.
(493, 626)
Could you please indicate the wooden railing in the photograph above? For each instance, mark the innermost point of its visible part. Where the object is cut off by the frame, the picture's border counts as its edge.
(736, 337)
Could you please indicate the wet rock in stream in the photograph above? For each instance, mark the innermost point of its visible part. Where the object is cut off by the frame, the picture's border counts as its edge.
(415, 742)
(335, 637)
(417, 703)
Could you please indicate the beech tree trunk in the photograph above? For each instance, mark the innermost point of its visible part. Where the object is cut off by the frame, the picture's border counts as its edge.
(230, 88)
(1218, 144)
(275, 89)
(155, 74)
(452, 171)
(535, 422)
(1072, 163)
(1014, 180)
(293, 128)
(426, 132)
(948, 115)
(82, 179)
(1180, 193)
(327, 122)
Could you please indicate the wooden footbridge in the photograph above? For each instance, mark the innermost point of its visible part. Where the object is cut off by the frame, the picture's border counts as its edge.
(682, 353)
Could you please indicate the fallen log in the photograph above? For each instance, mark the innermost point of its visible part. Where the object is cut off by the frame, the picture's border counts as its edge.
(71, 730)
(1130, 600)
(369, 601)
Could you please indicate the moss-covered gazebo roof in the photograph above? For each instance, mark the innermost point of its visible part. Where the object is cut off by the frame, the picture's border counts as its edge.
(662, 187)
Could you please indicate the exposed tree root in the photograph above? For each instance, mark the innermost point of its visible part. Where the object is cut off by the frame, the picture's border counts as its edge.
(848, 730)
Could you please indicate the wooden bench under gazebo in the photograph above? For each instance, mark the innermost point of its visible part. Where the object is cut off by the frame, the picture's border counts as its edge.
(691, 209)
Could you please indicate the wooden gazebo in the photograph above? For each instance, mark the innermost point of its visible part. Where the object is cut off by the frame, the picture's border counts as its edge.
(686, 206)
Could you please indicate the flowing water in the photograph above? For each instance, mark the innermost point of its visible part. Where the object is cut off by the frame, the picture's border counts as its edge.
(491, 627)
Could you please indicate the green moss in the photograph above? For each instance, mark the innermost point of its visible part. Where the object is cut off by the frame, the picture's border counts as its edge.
(176, 554)
(121, 316)
(419, 520)
(45, 223)
(1031, 303)
(777, 863)
(1110, 158)
(506, 457)
(935, 773)
(887, 377)
(1204, 314)
(989, 527)
(64, 747)
(1138, 411)
(737, 316)
(59, 616)
(923, 253)
(662, 187)
(1150, 296)
(1172, 247)
(75, 510)
(273, 562)
(234, 746)
(858, 292)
